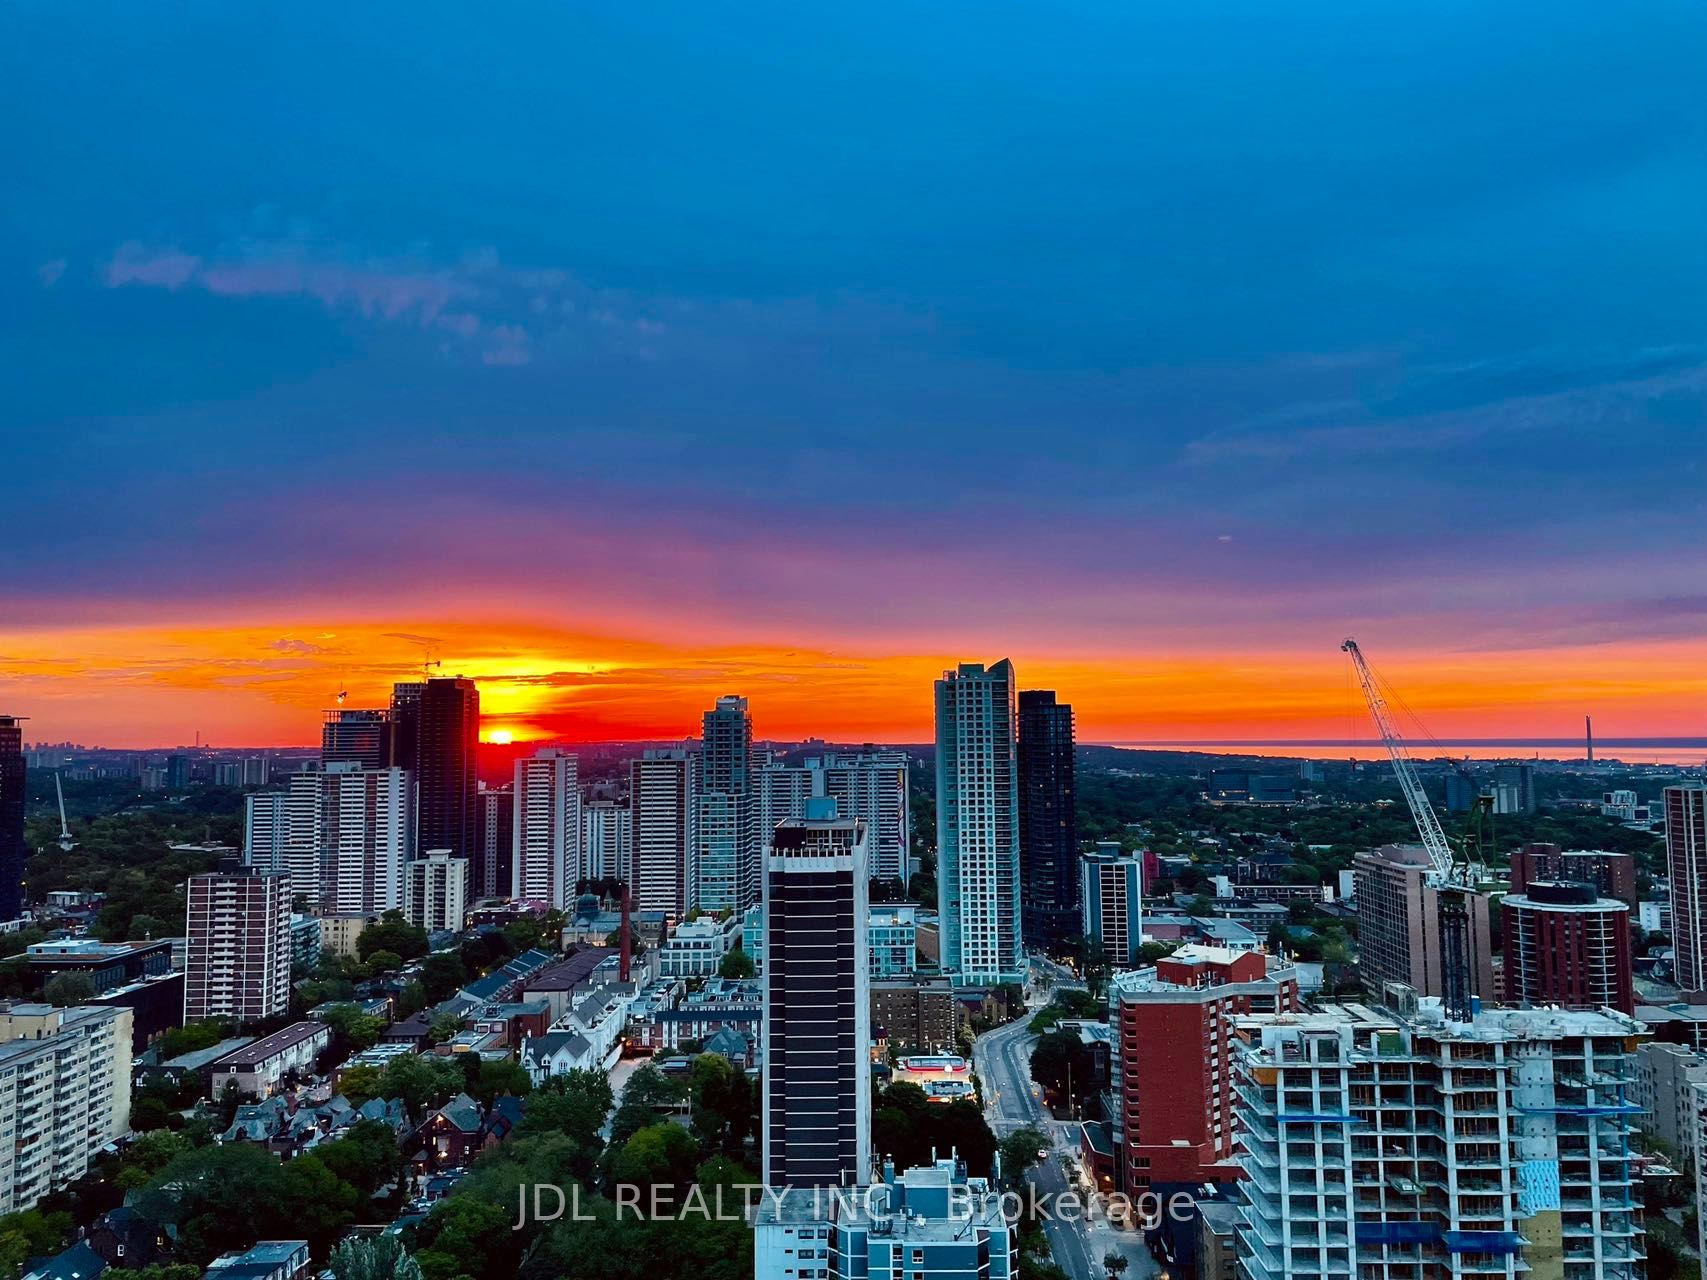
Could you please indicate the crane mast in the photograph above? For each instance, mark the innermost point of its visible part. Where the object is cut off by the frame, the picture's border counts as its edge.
(65, 841)
(1428, 826)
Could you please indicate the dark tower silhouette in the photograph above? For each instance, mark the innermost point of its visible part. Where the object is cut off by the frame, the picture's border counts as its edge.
(11, 817)
(1048, 827)
(446, 777)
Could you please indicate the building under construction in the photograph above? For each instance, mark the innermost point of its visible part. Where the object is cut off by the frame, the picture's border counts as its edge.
(1411, 929)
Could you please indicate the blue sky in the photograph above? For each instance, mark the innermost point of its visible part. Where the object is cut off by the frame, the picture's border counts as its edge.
(1179, 327)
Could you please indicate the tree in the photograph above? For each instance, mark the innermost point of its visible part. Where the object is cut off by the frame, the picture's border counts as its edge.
(444, 1027)
(190, 1037)
(411, 999)
(1019, 1152)
(648, 1091)
(375, 1258)
(384, 962)
(736, 964)
(659, 1155)
(355, 1029)
(573, 1105)
(230, 1098)
(29, 1234)
(421, 1082)
(495, 1079)
(443, 974)
(366, 1156)
(68, 988)
(1114, 1263)
(1064, 1065)
(392, 933)
(361, 1084)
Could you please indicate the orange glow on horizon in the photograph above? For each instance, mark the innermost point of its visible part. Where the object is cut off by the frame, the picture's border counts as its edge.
(260, 685)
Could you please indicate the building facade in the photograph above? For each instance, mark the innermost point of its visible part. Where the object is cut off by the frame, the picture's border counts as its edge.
(1686, 860)
(816, 1030)
(607, 839)
(361, 737)
(492, 873)
(1171, 1067)
(1399, 933)
(437, 896)
(1111, 894)
(977, 790)
(726, 823)
(64, 1094)
(661, 803)
(1048, 827)
(1383, 1147)
(1614, 874)
(870, 785)
(239, 944)
(447, 737)
(12, 849)
(546, 852)
(1566, 945)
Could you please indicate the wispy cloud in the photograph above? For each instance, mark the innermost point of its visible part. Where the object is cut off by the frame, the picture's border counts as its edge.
(1448, 408)
(50, 272)
(501, 313)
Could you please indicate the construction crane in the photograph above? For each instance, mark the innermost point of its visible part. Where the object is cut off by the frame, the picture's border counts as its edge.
(1454, 883)
(65, 841)
(1428, 826)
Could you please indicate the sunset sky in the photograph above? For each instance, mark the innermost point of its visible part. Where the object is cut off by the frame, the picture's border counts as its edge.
(624, 357)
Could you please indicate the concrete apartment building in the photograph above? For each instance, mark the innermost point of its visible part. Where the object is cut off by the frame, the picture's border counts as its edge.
(1665, 1077)
(546, 853)
(238, 960)
(436, 892)
(1686, 862)
(1398, 925)
(64, 1094)
(661, 805)
(1396, 1145)
(1614, 874)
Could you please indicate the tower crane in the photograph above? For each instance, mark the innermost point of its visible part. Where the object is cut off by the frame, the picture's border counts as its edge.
(1441, 861)
(65, 841)
(1453, 883)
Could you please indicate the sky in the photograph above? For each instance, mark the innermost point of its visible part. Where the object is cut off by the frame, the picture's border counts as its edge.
(627, 356)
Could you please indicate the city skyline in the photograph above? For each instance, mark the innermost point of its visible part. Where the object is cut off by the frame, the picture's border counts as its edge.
(823, 397)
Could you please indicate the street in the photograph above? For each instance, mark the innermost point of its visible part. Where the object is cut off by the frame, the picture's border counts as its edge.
(1002, 1059)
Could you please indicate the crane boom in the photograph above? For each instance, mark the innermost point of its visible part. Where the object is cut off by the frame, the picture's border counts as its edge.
(1428, 826)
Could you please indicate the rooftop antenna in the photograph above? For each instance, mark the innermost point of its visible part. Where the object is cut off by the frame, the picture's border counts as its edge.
(65, 841)
(1588, 733)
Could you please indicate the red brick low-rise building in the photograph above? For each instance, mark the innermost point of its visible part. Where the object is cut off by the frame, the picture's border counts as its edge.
(1173, 1061)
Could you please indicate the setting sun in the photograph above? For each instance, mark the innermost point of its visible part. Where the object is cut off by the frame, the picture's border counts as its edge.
(501, 737)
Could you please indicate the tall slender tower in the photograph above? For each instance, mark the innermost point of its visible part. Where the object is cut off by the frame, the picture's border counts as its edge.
(726, 827)
(12, 848)
(1686, 859)
(547, 854)
(446, 777)
(816, 1026)
(977, 793)
(661, 801)
(1048, 825)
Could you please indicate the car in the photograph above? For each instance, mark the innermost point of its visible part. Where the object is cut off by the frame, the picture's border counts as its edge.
(1043, 1153)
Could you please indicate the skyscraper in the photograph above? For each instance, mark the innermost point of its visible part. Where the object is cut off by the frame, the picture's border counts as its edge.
(238, 951)
(495, 861)
(1048, 826)
(11, 817)
(816, 1028)
(661, 801)
(406, 722)
(606, 840)
(1686, 859)
(726, 822)
(546, 860)
(1520, 777)
(869, 784)
(978, 825)
(343, 834)
(446, 775)
(356, 736)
